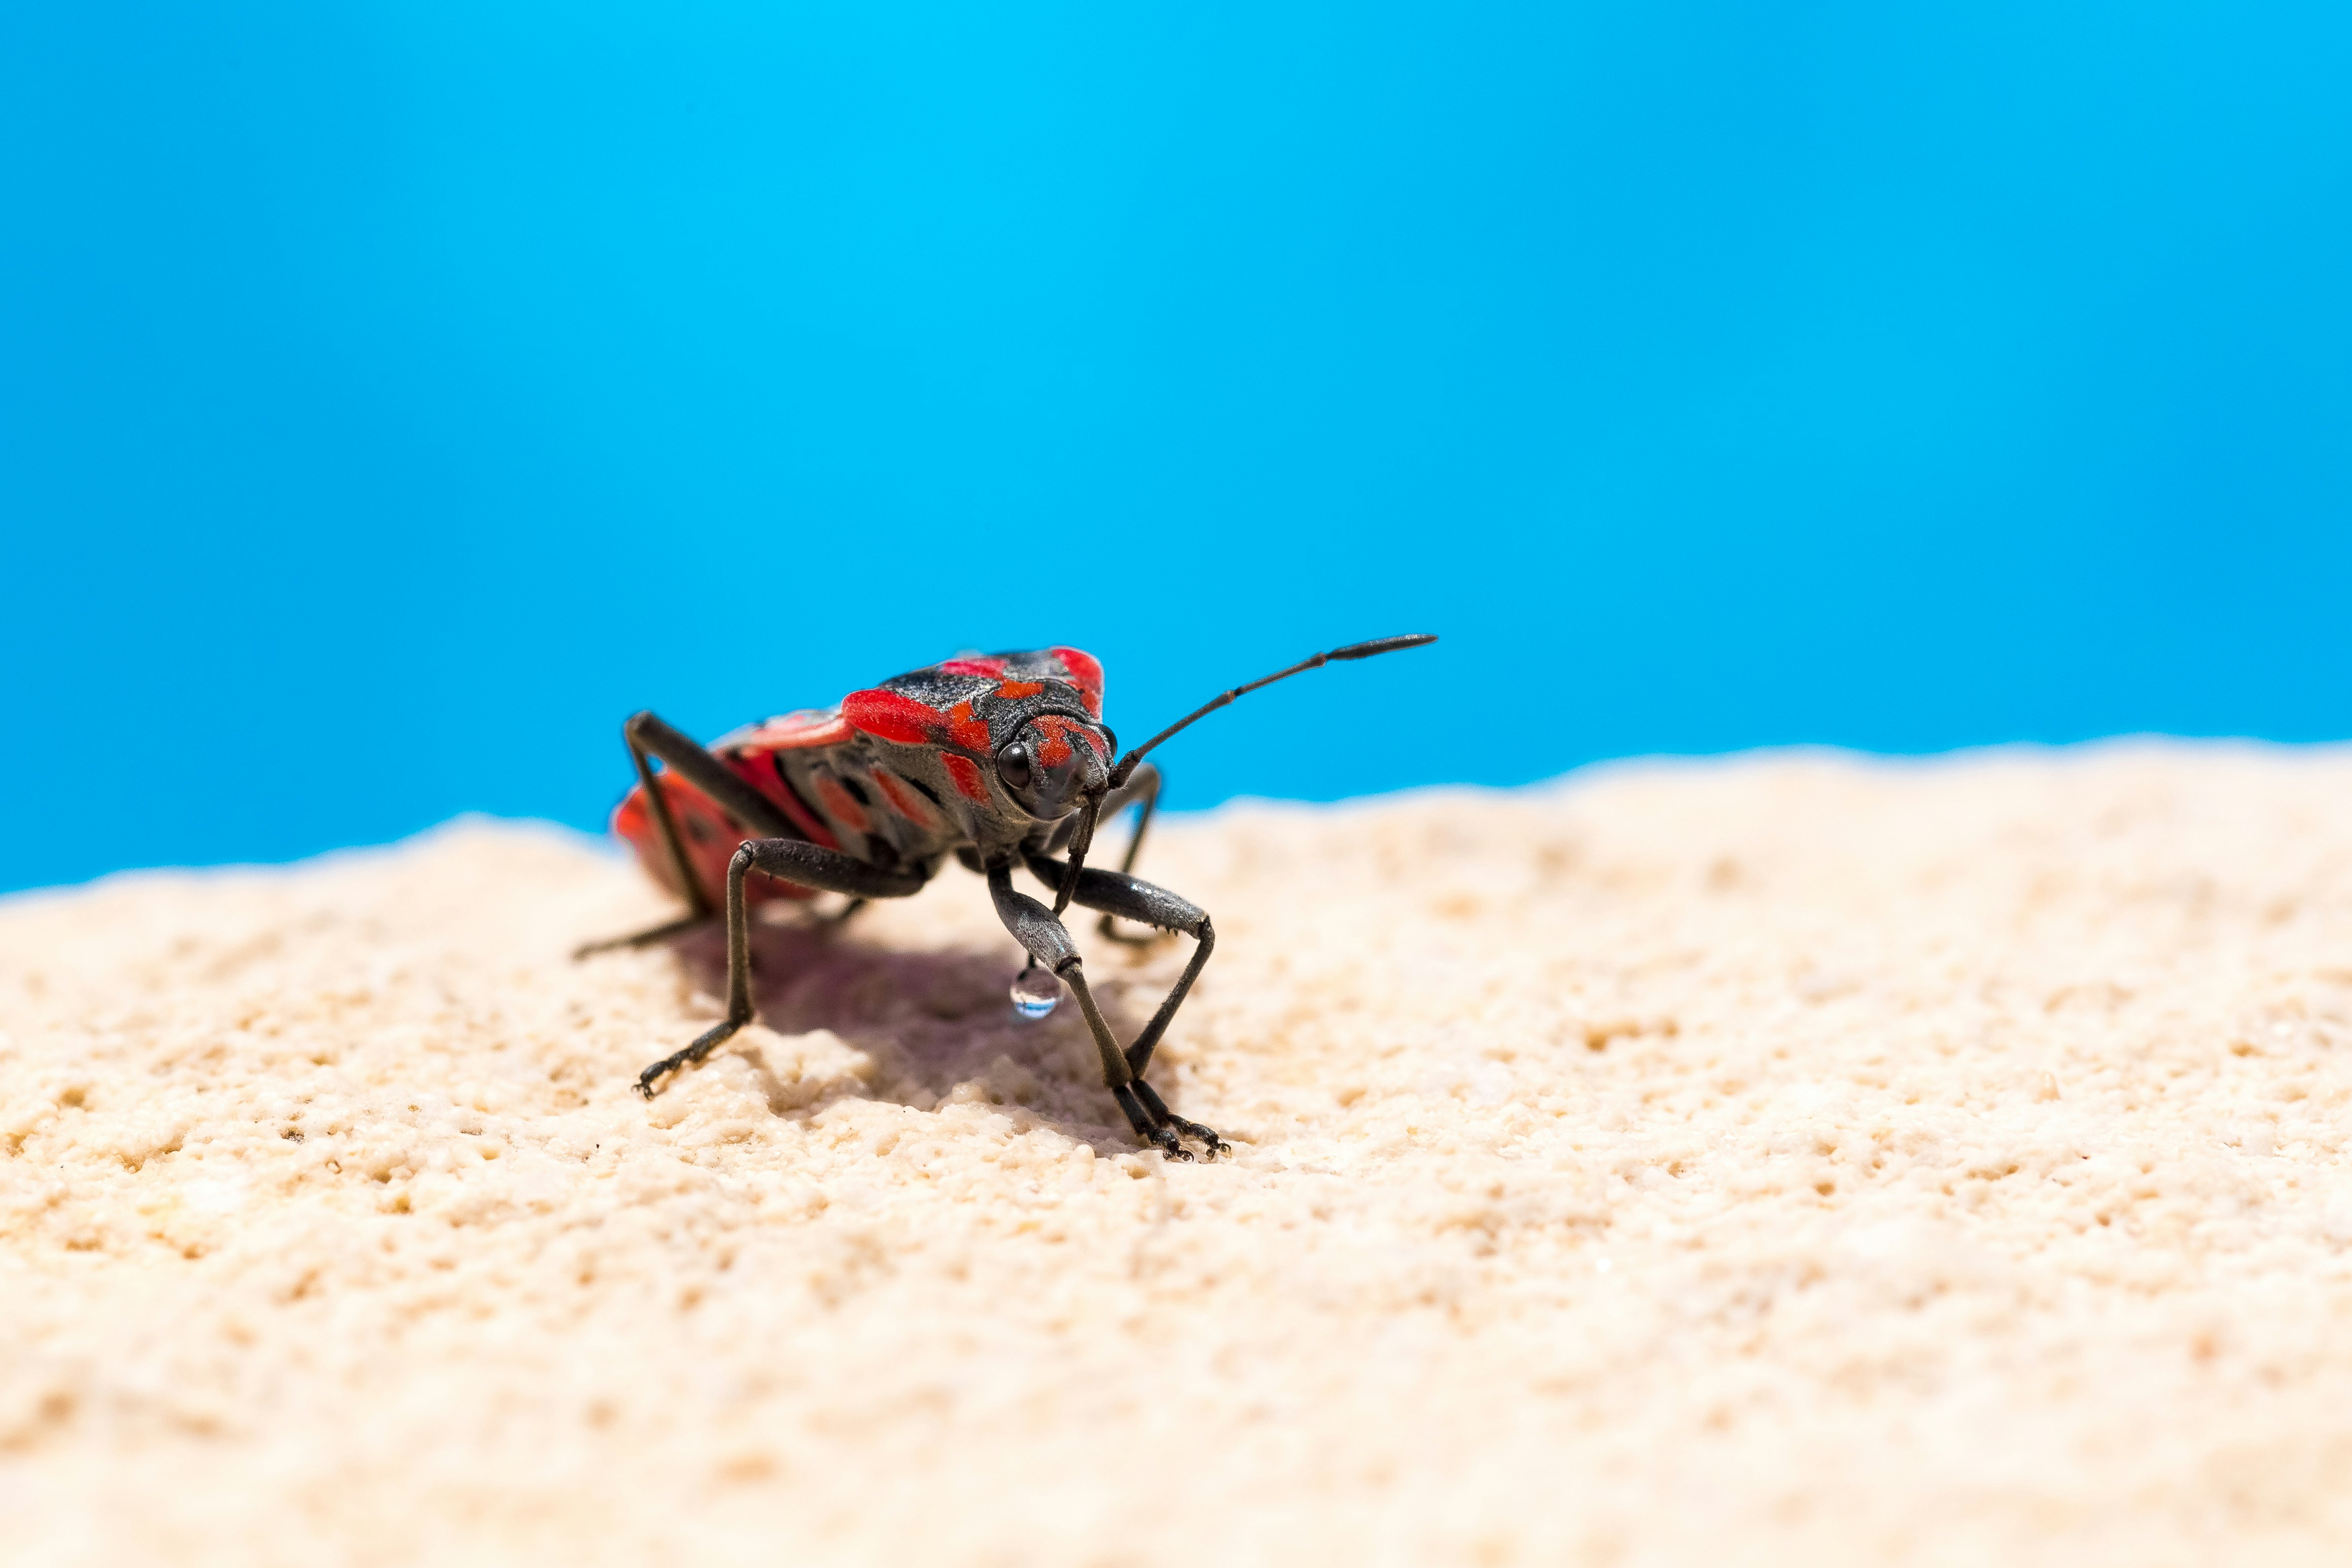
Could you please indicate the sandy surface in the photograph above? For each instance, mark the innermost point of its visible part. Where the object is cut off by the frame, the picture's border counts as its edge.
(1784, 1161)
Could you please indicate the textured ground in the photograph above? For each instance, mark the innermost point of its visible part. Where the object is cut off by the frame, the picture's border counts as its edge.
(1784, 1161)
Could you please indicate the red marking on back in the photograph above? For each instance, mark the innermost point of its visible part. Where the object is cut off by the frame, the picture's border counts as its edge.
(1086, 674)
(889, 715)
(989, 667)
(966, 730)
(904, 800)
(966, 774)
(1012, 690)
(840, 801)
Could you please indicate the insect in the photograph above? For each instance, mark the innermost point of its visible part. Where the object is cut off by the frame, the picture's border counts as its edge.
(1001, 759)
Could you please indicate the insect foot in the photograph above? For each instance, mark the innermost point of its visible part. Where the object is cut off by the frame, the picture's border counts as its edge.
(1208, 1135)
(1156, 1125)
(1170, 1131)
(675, 1061)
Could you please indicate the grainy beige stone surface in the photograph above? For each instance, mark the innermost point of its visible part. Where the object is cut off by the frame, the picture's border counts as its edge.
(1788, 1160)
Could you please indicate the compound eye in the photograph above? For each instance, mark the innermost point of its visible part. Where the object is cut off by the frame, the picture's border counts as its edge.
(1012, 767)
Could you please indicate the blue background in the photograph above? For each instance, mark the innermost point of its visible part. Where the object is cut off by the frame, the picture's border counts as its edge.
(393, 397)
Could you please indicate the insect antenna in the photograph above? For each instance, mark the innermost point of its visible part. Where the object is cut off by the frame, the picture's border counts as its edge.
(1126, 768)
(1085, 834)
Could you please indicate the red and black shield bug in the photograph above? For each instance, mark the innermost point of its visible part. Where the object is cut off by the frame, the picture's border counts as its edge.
(993, 759)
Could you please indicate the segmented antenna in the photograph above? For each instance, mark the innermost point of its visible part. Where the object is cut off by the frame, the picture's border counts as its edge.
(1085, 834)
(1126, 768)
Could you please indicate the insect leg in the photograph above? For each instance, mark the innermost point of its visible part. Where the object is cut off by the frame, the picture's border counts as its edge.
(755, 812)
(1143, 786)
(791, 860)
(645, 939)
(752, 810)
(1048, 941)
(1132, 898)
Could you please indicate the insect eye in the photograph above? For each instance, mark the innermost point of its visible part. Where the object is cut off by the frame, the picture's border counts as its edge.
(1012, 767)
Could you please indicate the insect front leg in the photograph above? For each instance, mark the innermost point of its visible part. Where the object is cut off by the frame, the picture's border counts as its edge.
(1132, 898)
(792, 860)
(1048, 941)
(1143, 786)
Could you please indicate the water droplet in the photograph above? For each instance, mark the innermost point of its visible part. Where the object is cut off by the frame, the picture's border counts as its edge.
(1036, 991)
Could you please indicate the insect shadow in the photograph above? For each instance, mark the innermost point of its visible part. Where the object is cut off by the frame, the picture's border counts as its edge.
(935, 1027)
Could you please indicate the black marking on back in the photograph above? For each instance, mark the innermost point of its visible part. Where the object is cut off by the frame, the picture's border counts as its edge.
(776, 761)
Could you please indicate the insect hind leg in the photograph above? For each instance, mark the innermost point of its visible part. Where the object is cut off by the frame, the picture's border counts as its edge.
(647, 738)
(645, 939)
(686, 923)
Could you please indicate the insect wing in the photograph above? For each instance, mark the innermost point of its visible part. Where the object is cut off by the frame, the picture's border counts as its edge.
(788, 732)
